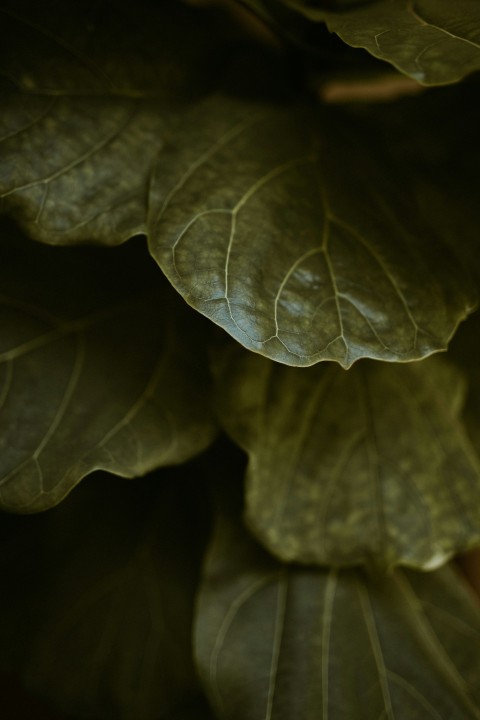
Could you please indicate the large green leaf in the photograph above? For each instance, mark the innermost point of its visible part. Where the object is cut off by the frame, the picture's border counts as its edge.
(436, 42)
(97, 598)
(99, 368)
(369, 465)
(92, 97)
(279, 642)
(293, 232)
(94, 186)
(292, 229)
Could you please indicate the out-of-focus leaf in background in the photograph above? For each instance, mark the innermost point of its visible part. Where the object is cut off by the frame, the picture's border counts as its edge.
(101, 367)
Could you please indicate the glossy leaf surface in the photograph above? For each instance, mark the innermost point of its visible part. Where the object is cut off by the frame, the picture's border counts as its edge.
(275, 227)
(436, 42)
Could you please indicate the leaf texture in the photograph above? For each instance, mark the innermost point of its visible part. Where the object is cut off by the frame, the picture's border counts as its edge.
(275, 227)
(436, 42)
(280, 642)
(95, 97)
(94, 186)
(93, 371)
(97, 598)
(368, 466)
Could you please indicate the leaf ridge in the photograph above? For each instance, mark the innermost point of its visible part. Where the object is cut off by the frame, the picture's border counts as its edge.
(7, 382)
(369, 619)
(330, 486)
(381, 263)
(62, 408)
(45, 112)
(277, 639)
(414, 11)
(230, 134)
(425, 632)
(100, 145)
(312, 408)
(330, 591)
(227, 622)
(140, 402)
(452, 619)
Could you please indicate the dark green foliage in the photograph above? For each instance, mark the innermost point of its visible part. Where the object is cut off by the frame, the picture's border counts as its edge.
(190, 152)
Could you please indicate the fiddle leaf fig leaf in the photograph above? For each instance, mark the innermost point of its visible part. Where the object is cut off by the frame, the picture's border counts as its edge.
(436, 42)
(95, 187)
(97, 91)
(106, 594)
(98, 370)
(277, 641)
(345, 468)
(290, 230)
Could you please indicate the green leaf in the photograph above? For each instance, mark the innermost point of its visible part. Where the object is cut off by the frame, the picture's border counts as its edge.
(94, 188)
(97, 93)
(292, 231)
(436, 42)
(97, 598)
(280, 642)
(101, 85)
(369, 465)
(99, 369)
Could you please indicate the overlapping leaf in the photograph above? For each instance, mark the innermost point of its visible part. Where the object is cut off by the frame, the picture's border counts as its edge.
(348, 468)
(436, 42)
(97, 598)
(97, 370)
(279, 642)
(288, 229)
(94, 185)
(270, 221)
(97, 91)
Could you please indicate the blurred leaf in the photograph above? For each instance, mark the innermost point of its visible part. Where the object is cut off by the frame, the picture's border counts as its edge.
(110, 47)
(372, 465)
(436, 42)
(97, 598)
(279, 642)
(99, 368)
(466, 353)
(94, 186)
(292, 231)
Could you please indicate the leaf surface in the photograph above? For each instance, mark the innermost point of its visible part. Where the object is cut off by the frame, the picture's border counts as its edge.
(436, 42)
(96, 93)
(279, 642)
(94, 186)
(97, 599)
(94, 373)
(345, 468)
(290, 231)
